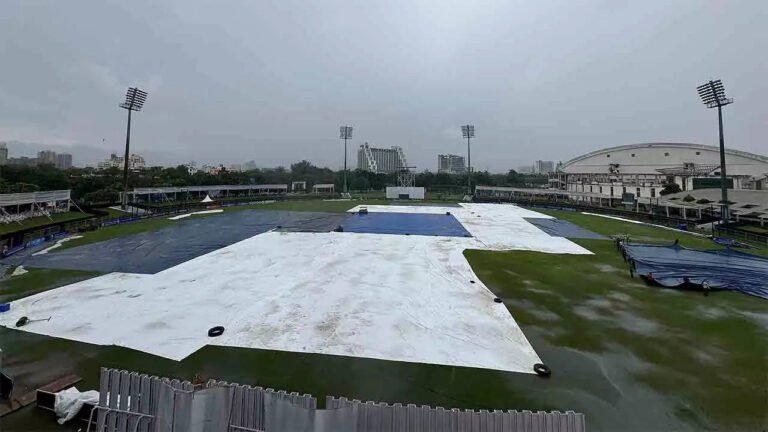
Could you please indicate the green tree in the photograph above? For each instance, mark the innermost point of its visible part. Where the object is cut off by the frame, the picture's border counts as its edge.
(670, 188)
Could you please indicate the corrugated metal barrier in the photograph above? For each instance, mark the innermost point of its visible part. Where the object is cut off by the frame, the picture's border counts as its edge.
(129, 401)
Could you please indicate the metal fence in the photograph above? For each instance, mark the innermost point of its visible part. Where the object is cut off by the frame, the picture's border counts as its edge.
(129, 401)
(383, 417)
(742, 235)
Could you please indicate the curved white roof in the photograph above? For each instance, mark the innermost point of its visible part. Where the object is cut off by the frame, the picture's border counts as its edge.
(651, 157)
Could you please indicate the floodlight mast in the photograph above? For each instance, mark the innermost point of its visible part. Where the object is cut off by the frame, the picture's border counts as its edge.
(712, 94)
(345, 133)
(134, 101)
(468, 132)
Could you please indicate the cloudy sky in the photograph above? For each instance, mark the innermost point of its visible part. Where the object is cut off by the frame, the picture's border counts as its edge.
(271, 81)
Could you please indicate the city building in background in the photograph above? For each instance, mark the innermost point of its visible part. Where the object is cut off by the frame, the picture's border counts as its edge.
(381, 160)
(525, 169)
(213, 169)
(249, 166)
(22, 160)
(46, 157)
(451, 164)
(135, 162)
(644, 169)
(63, 161)
(235, 167)
(543, 167)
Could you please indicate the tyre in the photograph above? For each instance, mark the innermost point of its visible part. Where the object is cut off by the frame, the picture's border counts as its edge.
(542, 370)
(216, 331)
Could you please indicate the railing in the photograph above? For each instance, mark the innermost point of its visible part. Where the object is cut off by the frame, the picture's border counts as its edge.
(742, 235)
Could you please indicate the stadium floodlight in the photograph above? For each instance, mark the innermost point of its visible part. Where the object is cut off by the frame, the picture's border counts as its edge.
(134, 101)
(712, 94)
(345, 133)
(468, 132)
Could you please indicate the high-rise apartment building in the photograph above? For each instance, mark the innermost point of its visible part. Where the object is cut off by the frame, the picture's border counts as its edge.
(46, 157)
(63, 161)
(381, 160)
(451, 164)
(3, 153)
(543, 167)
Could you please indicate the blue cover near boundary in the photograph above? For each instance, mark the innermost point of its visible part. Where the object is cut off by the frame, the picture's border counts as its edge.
(563, 228)
(154, 251)
(405, 223)
(722, 269)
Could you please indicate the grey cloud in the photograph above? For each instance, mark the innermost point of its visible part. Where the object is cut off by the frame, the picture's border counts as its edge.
(271, 81)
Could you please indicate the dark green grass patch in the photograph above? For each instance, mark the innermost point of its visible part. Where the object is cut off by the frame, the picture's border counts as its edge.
(39, 280)
(704, 357)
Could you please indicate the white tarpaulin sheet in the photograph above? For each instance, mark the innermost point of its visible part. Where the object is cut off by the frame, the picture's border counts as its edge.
(495, 226)
(383, 296)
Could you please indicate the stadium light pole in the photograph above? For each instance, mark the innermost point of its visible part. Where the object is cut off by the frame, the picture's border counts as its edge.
(468, 132)
(134, 101)
(345, 133)
(712, 94)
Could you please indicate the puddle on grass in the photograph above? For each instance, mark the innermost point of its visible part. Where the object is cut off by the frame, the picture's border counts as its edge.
(616, 315)
(635, 324)
(709, 312)
(587, 312)
(598, 302)
(607, 268)
(539, 312)
(544, 314)
(761, 319)
(541, 291)
(604, 386)
(708, 355)
(619, 296)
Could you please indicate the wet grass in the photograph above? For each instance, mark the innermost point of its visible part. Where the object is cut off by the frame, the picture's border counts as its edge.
(38, 280)
(704, 356)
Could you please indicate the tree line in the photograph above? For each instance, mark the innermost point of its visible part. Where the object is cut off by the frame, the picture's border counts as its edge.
(92, 186)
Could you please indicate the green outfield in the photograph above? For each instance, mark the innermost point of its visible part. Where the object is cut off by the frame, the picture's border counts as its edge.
(629, 356)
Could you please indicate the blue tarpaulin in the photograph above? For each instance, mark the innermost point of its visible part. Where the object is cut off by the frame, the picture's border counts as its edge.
(405, 223)
(725, 269)
(563, 228)
(154, 251)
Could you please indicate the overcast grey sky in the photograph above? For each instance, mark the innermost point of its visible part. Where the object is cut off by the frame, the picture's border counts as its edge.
(231, 81)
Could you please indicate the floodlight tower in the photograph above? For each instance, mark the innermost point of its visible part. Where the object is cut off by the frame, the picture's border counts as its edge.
(345, 133)
(712, 94)
(134, 101)
(468, 132)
